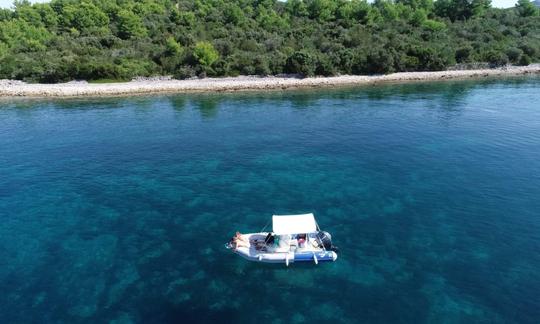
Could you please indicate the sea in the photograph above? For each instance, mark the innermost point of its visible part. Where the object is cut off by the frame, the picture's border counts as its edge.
(116, 210)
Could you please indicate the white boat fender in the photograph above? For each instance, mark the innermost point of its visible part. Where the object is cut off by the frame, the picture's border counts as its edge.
(260, 257)
(287, 259)
(315, 259)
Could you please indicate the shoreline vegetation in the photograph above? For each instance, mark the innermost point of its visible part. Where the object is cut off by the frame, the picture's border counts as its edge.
(113, 40)
(15, 88)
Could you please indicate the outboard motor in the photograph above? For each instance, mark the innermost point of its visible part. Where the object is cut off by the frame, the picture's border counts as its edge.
(326, 240)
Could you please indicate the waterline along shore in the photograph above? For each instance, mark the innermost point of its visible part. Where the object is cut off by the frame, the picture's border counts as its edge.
(10, 88)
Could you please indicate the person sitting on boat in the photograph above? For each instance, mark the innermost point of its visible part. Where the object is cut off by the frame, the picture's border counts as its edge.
(269, 240)
(301, 239)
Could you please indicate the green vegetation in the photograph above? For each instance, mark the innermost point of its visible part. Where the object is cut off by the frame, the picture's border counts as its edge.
(120, 39)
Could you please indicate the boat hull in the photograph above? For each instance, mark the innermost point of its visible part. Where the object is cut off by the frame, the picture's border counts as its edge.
(288, 257)
(286, 254)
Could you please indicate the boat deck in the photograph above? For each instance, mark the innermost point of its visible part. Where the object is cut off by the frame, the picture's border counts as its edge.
(287, 243)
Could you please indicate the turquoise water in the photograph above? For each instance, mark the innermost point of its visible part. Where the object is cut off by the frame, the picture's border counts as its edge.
(118, 209)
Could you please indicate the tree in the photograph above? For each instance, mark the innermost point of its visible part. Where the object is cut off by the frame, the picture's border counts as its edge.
(47, 14)
(526, 8)
(322, 10)
(297, 8)
(3, 49)
(205, 53)
(433, 25)
(183, 18)
(387, 9)
(130, 25)
(427, 5)
(418, 18)
(478, 7)
(233, 14)
(172, 47)
(5, 14)
(27, 13)
(85, 17)
(22, 36)
(461, 9)
(354, 11)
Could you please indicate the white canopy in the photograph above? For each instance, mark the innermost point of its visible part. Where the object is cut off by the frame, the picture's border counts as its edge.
(294, 224)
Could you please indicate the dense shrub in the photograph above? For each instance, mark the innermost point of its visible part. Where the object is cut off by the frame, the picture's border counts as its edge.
(464, 54)
(496, 58)
(513, 54)
(380, 61)
(301, 62)
(525, 60)
(185, 72)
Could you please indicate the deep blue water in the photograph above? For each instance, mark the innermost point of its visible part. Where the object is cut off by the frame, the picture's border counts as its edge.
(117, 209)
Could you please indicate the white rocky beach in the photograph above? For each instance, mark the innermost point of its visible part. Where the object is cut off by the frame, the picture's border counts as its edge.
(13, 88)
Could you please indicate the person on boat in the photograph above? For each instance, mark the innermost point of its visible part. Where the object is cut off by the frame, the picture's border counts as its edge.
(238, 241)
(301, 239)
(239, 237)
(269, 240)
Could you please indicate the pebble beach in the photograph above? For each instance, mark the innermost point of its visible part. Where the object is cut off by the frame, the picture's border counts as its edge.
(15, 88)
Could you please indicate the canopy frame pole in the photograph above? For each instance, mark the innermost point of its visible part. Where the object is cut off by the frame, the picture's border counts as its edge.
(319, 229)
(265, 226)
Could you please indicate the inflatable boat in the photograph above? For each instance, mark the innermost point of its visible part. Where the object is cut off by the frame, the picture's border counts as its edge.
(294, 238)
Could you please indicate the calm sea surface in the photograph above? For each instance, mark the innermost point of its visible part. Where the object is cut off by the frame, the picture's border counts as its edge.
(117, 209)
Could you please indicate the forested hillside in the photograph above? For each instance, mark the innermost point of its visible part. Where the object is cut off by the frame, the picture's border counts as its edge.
(120, 39)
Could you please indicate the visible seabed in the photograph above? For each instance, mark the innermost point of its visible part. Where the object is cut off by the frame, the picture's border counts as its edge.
(116, 210)
(12, 88)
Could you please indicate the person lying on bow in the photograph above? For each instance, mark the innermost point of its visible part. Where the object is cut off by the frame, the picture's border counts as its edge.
(238, 240)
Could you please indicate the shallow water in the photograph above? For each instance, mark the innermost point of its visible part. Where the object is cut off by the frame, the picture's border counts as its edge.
(117, 209)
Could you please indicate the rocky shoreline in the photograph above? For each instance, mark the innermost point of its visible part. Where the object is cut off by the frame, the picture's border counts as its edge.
(13, 88)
